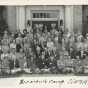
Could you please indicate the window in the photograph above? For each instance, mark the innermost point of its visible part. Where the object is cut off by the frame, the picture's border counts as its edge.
(44, 14)
(41, 15)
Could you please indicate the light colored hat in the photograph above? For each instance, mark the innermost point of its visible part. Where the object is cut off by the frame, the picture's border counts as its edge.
(66, 53)
(53, 24)
(40, 25)
(86, 34)
(12, 46)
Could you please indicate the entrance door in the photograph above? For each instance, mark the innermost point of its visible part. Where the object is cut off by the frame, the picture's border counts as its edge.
(46, 23)
(45, 17)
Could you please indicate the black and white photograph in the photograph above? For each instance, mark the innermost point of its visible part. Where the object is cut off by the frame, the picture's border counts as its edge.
(43, 40)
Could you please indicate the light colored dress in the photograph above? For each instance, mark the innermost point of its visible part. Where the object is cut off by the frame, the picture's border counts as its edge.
(22, 60)
(5, 61)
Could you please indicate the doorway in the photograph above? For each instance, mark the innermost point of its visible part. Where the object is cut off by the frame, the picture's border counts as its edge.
(45, 23)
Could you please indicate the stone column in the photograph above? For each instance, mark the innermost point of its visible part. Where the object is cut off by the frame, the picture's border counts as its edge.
(20, 16)
(28, 17)
(11, 18)
(77, 19)
(28, 13)
(62, 16)
(69, 18)
(73, 18)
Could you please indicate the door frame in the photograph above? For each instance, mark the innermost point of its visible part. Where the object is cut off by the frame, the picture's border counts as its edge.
(46, 19)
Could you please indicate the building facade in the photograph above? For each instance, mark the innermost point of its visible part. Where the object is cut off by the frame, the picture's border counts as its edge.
(70, 17)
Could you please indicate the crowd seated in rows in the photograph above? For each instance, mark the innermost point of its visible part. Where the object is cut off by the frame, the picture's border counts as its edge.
(43, 51)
